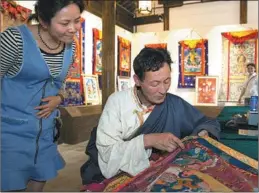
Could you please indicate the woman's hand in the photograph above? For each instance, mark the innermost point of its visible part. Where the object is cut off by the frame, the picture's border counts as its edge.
(46, 109)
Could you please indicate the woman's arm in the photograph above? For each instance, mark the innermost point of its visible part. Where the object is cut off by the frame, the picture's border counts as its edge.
(11, 51)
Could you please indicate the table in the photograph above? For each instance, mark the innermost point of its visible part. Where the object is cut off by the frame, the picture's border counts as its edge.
(247, 145)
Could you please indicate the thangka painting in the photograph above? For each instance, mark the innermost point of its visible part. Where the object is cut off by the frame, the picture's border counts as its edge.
(204, 165)
(239, 48)
(91, 89)
(162, 45)
(75, 70)
(72, 93)
(124, 83)
(193, 61)
(206, 91)
(124, 57)
(97, 52)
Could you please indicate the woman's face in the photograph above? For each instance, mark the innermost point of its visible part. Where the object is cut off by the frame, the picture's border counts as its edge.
(250, 70)
(65, 24)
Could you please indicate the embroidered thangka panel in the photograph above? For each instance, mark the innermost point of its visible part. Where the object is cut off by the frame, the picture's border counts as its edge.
(76, 69)
(162, 45)
(73, 89)
(73, 95)
(97, 51)
(205, 165)
(239, 48)
(193, 61)
(124, 57)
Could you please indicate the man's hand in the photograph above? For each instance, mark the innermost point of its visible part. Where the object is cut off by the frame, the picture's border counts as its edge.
(162, 141)
(203, 133)
(46, 109)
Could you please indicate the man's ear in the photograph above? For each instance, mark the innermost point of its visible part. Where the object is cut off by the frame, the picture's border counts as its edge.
(136, 80)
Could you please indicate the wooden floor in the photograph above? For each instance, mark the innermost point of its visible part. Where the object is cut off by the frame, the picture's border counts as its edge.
(69, 179)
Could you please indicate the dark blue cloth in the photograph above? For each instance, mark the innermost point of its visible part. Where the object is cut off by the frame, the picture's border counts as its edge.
(178, 117)
(174, 115)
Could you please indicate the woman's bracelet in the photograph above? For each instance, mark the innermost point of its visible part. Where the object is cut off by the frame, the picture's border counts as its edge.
(61, 96)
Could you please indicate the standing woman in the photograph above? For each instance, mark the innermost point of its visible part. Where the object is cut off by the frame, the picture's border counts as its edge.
(250, 87)
(34, 63)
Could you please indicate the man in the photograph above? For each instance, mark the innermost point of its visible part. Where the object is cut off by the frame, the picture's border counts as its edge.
(142, 118)
(251, 84)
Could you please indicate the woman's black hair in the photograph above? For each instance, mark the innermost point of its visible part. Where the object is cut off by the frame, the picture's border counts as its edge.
(251, 64)
(47, 9)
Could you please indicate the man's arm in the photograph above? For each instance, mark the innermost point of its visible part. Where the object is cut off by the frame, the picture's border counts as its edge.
(196, 122)
(114, 153)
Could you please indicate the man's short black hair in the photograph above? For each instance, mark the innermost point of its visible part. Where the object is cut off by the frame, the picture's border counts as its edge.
(150, 59)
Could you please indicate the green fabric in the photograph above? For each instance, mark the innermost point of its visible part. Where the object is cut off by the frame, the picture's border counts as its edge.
(247, 145)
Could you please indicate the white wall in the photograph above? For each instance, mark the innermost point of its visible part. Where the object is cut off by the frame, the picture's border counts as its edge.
(206, 20)
(252, 12)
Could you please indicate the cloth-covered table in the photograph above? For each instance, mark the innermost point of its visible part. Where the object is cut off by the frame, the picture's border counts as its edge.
(204, 165)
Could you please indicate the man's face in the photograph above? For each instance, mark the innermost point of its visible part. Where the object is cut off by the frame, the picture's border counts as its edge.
(250, 69)
(155, 84)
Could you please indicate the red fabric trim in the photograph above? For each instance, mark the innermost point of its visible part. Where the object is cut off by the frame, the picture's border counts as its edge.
(13, 9)
(163, 46)
(236, 39)
(228, 70)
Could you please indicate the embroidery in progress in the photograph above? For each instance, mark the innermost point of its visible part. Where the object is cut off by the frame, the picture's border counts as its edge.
(204, 165)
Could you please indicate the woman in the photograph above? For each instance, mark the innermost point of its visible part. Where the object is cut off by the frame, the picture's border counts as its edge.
(251, 84)
(34, 63)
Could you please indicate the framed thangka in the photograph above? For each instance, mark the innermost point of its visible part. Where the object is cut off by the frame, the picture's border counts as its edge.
(97, 52)
(124, 57)
(239, 48)
(124, 83)
(193, 61)
(162, 46)
(206, 91)
(91, 89)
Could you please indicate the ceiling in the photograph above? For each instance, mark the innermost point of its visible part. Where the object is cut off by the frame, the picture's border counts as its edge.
(131, 5)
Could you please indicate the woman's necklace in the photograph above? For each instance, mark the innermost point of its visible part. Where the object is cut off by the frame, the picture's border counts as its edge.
(45, 42)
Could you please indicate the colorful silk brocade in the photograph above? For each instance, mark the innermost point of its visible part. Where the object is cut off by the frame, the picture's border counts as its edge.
(204, 165)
